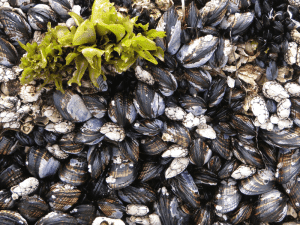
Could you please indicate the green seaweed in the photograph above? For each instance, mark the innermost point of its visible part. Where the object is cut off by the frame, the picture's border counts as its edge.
(107, 37)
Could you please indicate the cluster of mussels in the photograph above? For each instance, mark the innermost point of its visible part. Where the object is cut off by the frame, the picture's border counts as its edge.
(208, 136)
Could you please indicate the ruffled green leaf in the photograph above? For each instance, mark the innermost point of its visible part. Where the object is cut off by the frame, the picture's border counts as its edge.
(85, 34)
(147, 55)
(117, 29)
(81, 66)
(144, 43)
(159, 53)
(94, 74)
(93, 56)
(144, 27)
(70, 57)
(78, 19)
(152, 34)
(67, 40)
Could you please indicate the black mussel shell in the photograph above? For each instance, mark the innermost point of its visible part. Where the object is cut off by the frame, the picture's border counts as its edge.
(57, 218)
(227, 169)
(130, 148)
(121, 110)
(205, 215)
(40, 163)
(62, 7)
(8, 53)
(8, 217)
(6, 201)
(243, 125)
(216, 92)
(242, 213)
(214, 164)
(148, 127)
(205, 177)
(150, 170)
(271, 207)
(177, 133)
(199, 152)
(62, 197)
(7, 145)
(85, 213)
(153, 145)
(111, 207)
(68, 145)
(97, 188)
(139, 194)
(167, 83)
(288, 166)
(195, 105)
(292, 189)
(98, 158)
(95, 104)
(11, 176)
(15, 26)
(184, 187)
(40, 15)
(222, 146)
(261, 182)
(74, 172)
(198, 78)
(33, 208)
(213, 12)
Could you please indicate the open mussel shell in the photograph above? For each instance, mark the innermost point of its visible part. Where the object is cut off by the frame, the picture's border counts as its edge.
(139, 194)
(167, 83)
(198, 51)
(227, 197)
(199, 153)
(98, 158)
(149, 127)
(40, 163)
(11, 217)
(6, 202)
(40, 15)
(15, 25)
(271, 207)
(288, 166)
(85, 213)
(147, 102)
(57, 218)
(62, 197)
(171, 24)
(261, 182)
(8, 54)
(184, 188)
(121, 109)
(33, 208)
(111, 207)
(11, 176)
(199, 79)
(74, 172)
(153, 145)
(177, 133)
(71, 106)
(195, 105)
(62, 7)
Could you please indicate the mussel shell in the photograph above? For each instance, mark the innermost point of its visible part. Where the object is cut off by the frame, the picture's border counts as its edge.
(242, 213)
(97, 188)
(8, 54)
(40, 163)
(95, 104)
(149, 127)
(166, 81)
(288, 166)
(71, 106)
(140, 194)
(199, 153)
(292, 189)
(8, 217)
(150, 170)
(213, 12)
(7, 145)
(177, 133)
(195, 105)
(40, 15)
(98, 159)
(147, 102)
(199, 79)
(121, 109)
(67, 144)
(33, 208)
(271, 207)
(85, 214)
(153, 145)
(287, 138)
(198, 51)
(227, 197)
(205, 215)
(62, 197)
(11, 176)
(15, 25)
(261, 182)
(205, 177)
(74, 172)
(184, 188)
(62, 7)
(222, 146)
(130, 148)
(57, 218)
(216, 92)
(6, 202)
(111, 207)
(243, 125)
(227, 169)
(214, 164)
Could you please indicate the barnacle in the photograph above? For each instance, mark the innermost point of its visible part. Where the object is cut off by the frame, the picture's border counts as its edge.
(106, 36)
